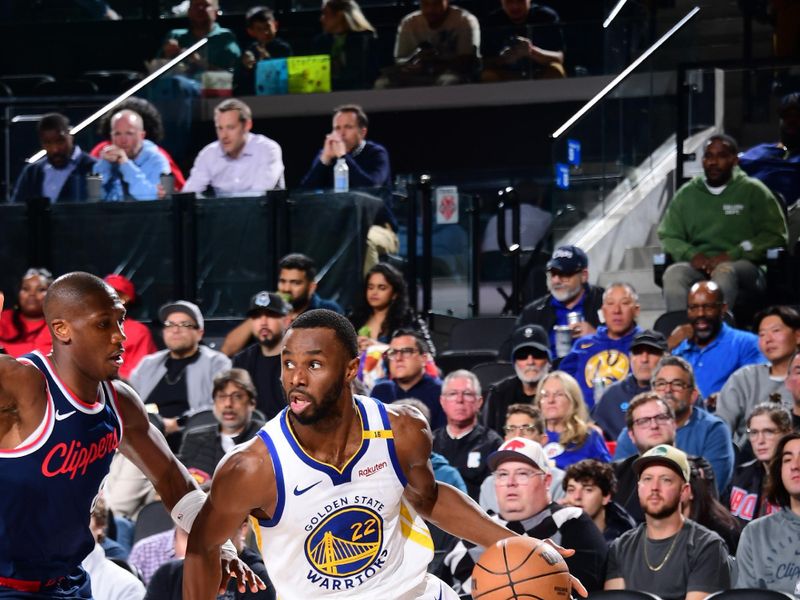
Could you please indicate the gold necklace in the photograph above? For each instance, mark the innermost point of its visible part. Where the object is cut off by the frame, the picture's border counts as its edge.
(666, 556)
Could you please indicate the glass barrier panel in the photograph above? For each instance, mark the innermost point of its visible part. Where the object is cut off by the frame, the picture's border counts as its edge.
(234, 258)
(14, 249)
(131, 238)
(332, 229)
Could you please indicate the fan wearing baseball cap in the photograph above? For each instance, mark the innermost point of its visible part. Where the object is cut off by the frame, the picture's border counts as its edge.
(570, 301)
(668, 554)
(531, 357)
(139, 342)
(522, 481)
(179, 379)
(268, 320)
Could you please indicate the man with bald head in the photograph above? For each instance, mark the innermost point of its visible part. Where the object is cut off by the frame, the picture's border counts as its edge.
(61, 421)
(130, 166)
(713, 348)
(719, 226)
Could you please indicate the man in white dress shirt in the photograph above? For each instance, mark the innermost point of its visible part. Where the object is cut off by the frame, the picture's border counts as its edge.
(239, 162)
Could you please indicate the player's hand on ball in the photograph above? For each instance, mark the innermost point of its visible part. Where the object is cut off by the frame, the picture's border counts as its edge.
(243, 574)
(565, 552)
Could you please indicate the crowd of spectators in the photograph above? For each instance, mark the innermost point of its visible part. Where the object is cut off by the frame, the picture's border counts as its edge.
(681, 510)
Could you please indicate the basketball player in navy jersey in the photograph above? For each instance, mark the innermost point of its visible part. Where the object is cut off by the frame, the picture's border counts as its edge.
(338, 484)
(61, 419)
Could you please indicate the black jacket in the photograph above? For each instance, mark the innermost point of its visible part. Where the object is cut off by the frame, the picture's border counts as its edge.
(499, 397)
(202, 447)
(29, 184)
(627, 495)
(541, 312)
(618, 521)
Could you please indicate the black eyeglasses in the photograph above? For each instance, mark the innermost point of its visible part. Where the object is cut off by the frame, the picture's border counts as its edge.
(661, 419)
(395, 353)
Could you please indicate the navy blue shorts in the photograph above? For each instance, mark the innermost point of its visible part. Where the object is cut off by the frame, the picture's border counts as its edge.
(72, 587)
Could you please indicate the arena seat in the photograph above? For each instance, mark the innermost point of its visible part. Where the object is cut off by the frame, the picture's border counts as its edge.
(200, 419)
(452, 360)
(622, 595)
(484, 333)
(113, 81)
(23, 85)
(492, 372)
(749, 594)
(153, 518)
(65, 87)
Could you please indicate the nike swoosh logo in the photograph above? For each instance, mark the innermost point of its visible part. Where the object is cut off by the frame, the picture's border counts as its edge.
(61, 417)
(299, 492)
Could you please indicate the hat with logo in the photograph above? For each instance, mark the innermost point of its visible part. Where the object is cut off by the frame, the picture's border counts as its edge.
(268, 302)
(568, 260)
(520, 449)
(182, 306)
(651, 339)
(530, 336)
(121, 285)
(666, 455)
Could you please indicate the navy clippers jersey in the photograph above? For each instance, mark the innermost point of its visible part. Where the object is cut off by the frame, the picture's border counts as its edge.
(49, 481)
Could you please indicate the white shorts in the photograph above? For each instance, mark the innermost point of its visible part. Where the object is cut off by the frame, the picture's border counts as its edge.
(436, 589)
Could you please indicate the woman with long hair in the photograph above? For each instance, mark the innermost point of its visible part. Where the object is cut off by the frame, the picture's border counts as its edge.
(704, 506)
(766, 424)
(570, 434)
(383, 307)
(350, 40)
(23, 328)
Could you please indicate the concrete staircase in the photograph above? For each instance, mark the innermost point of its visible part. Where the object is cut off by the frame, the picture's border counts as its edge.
(637, 270)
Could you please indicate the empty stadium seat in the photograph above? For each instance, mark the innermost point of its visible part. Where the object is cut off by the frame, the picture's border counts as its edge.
(749, 594)
(492, 372)
(23, 85)
(484, 333)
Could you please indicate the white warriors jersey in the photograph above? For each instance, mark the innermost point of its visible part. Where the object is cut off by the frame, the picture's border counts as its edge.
(343, 533)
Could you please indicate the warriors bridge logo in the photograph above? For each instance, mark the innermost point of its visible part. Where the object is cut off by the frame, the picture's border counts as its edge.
(346, 543)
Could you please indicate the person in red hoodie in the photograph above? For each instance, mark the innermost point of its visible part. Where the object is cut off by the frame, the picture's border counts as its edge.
(139, 342)
(22, 328)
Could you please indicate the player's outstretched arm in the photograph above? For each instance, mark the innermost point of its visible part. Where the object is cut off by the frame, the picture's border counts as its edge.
(243, 483)
(437, 502)
(144, 445)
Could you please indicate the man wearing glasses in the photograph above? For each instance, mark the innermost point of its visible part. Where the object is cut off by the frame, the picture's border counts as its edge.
(522, 482)
(178, 381)
(713, 348)
(698, 432)
(463, 441)
(525, 421)
(234, 402)
(407, 356)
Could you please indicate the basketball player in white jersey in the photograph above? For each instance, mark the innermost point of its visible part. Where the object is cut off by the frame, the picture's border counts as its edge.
(338, 484)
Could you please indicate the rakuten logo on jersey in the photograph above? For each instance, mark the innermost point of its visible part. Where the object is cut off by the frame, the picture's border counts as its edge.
(74, 459)
(373, 469)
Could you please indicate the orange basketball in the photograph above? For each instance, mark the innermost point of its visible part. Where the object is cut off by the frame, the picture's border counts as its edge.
(521, 568)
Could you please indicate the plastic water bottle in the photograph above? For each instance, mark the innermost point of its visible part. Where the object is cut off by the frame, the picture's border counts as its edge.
(341, 176)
